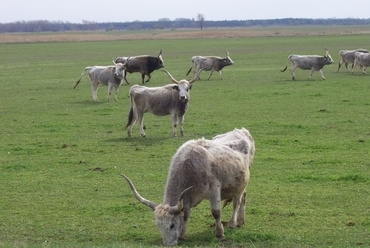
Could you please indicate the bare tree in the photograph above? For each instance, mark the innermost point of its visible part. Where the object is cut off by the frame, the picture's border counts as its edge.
(200, 20)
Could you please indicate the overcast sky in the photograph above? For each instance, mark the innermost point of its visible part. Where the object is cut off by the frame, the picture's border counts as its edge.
(75, 11)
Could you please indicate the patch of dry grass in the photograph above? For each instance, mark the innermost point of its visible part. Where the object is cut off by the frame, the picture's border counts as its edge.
(182, 34)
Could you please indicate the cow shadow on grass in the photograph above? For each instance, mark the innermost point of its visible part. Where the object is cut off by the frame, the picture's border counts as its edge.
(233, 238)
(139, 140)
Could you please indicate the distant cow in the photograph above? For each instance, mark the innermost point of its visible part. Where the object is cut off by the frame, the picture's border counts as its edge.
(348, 56)
(309, 62)
(106, 75)
(171, 99)
(210, 63)
(362, 60)
(144, 64)
(213, 170)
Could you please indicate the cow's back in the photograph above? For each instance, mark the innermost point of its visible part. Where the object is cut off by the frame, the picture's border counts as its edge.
(207, 165)
(156, 100)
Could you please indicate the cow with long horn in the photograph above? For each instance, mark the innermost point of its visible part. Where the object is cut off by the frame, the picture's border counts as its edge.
(309, 62)
(171, 99)
(214, 170)
(210, 63)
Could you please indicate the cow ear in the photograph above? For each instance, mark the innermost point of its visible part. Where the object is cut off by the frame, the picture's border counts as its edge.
(190, 86)
(175, 87)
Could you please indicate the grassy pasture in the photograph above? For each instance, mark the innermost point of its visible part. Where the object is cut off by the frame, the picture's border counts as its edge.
(61, 153)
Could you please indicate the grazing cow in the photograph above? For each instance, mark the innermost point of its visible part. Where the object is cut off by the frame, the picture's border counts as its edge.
(309, 62)
(348, 56)
(210, 63)
(105, 75)
(171, 99)
(214, 170)
(144, 64)
(363, 60)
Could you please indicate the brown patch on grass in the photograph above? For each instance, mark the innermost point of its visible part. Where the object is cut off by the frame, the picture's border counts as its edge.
(179, 34)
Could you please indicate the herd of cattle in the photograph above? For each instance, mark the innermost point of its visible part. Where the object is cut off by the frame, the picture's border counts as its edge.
(218, 169)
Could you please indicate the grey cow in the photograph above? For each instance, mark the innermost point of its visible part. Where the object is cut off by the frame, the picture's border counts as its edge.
(362, 60)
(309, 62)
(144, 64)
(171, 99)
(348, 56)
(106, 75)
(210, 63)
(214, 170)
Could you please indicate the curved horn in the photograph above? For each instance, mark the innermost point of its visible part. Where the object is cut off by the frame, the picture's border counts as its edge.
(327, 51)
(160, 52)
(177, 209)
(195, 77)
(114, 62)
(141, 199)
(227, 53)
(172, 79)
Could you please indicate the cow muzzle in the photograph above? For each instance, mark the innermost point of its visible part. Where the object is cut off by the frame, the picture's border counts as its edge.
(183, 98)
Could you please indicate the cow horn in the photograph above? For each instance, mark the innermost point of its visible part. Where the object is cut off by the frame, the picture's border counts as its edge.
(195, 77)
(327, 51)
(172, 79)
(114, 62)
(160, 52)
(177, 209)
(141, 199)
(227, 53)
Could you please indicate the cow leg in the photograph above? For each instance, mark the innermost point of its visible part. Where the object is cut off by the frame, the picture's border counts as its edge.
(216, 213)
(219, 72)
(354, 66)
(133, 111)
(109, 91)
(238, 216)
(181, 124)
(116, 92)
(241, 213)
(174, 125)
(124, 77)
(140, 117)
(196, 70)
(210, 74)
(143, 77)
(346, 65)
(292, 72)
(363, 68)
(339, 65)
(236, 205)
(94, 91)
(322, 74)
(311, 72)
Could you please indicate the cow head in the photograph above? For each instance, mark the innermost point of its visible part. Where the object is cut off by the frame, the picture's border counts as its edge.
(169, 219)
(119, 69)
(160, 60)
(183, 86)
(227, 60)
(327, 57)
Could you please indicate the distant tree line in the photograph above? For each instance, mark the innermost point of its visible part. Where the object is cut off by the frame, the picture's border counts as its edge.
(165, 23)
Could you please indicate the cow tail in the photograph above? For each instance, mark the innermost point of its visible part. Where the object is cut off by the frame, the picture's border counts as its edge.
(82, 74)
(189, 70)
(131, 114)
(286, 65)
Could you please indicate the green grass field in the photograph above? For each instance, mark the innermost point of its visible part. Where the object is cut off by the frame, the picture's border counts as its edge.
(61, 153)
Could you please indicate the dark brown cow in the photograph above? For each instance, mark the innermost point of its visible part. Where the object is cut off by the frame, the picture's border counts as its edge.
(144, 64)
